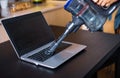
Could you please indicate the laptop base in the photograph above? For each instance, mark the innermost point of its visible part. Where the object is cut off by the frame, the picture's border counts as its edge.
(59, 58)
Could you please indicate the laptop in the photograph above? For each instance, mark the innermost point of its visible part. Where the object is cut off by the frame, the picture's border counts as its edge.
(30, 35)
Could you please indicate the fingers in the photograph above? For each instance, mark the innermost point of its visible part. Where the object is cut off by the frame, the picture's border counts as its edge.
(95, 1)
(107, 4)
(104, 2)
(110, 2)
(100, 2)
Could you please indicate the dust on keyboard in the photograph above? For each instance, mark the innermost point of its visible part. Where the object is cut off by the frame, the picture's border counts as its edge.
(41, 56)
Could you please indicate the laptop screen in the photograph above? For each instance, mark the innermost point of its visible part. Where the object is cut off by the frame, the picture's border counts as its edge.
(28, 32)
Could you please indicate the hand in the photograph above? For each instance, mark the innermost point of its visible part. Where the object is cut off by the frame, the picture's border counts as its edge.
(104, 2)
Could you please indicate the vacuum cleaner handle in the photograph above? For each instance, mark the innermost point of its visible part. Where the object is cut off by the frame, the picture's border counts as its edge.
(105, 11)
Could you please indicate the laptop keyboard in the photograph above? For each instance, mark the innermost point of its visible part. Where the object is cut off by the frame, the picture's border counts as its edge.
(41, 56)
